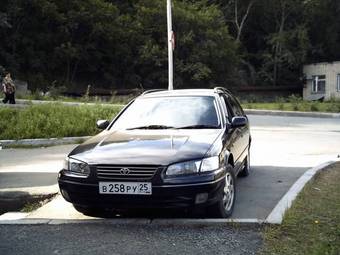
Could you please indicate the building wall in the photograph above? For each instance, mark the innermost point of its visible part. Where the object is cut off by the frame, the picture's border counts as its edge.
(331, 70)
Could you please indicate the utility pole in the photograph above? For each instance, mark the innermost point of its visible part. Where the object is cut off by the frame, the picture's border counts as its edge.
(171, 45)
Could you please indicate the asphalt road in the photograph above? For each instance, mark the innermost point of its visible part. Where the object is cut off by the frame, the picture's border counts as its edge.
(283, 149)
(122, 239)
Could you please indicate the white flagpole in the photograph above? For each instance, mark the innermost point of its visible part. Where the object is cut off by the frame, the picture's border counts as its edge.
(170, 46)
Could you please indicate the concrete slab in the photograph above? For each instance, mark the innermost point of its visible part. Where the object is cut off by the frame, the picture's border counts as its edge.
(36, 160)
(59, 209)
(13, 216)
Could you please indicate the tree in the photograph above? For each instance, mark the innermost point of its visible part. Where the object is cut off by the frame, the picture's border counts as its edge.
(241, 16)
(4, 21)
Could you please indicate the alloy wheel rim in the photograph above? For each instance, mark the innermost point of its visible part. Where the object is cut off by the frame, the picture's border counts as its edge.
(228, 192)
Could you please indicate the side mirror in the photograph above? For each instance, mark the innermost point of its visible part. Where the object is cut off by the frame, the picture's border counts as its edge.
(103, 124)
(239, 122)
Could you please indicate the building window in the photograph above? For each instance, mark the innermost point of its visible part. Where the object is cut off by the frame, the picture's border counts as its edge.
(338, 82)
(319, 84)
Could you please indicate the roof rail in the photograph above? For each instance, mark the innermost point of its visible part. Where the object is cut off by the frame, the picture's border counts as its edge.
(151, 91)
(222, 89)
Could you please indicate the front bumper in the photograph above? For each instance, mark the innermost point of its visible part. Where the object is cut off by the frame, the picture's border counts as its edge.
(163, 196)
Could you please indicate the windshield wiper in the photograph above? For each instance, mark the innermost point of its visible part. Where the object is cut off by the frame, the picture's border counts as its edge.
(151, 127)
(198, 127)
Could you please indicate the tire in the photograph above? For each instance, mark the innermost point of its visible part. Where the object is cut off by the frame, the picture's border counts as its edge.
(86, 210)
(246, 167)
(225, 206)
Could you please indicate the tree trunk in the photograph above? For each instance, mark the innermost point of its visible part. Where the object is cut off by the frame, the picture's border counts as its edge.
(278, 45)
(240, 25)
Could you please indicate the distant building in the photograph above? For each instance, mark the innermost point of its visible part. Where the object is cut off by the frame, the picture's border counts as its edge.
(322, 81)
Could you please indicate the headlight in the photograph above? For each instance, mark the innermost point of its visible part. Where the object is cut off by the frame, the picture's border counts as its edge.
(210, 164)
(76, 166)
(192, 167)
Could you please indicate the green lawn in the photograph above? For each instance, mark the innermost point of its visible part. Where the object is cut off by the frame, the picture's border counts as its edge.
(52, 120)
(312, 225)
(303, 106)
(57, 120)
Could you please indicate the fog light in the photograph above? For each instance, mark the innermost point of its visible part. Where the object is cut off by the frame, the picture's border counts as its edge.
(201, 198)
(65, 195)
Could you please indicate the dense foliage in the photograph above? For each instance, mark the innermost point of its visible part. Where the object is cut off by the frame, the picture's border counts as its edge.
(123, 43)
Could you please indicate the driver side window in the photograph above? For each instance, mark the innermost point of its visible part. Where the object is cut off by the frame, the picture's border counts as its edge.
(237, 110)
(227, 108)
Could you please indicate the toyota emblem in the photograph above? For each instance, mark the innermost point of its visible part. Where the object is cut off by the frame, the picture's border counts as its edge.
(125, 171)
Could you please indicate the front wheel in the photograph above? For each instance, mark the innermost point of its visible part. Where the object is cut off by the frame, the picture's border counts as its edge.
(225, 206)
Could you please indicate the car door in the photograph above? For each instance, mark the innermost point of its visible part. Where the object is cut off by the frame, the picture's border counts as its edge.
(234, 144)
(244, 131)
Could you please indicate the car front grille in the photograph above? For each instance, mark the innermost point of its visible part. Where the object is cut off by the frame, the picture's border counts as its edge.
(125, 172)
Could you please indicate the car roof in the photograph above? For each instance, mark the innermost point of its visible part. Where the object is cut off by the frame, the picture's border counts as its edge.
(179, 92)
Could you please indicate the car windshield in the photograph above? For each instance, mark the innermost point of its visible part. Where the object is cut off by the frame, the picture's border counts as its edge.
(170, 112)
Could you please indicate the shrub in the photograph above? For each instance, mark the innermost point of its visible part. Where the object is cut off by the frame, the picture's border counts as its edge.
(314, 107)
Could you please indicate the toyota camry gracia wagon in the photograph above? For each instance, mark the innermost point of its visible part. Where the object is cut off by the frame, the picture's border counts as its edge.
(165, 149)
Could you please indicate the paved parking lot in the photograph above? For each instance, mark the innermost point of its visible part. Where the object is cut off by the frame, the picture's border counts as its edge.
(283, 149)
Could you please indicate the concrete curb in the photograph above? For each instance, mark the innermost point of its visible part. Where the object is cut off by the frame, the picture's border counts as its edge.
(44, 141)
(32, 191)
(292, 113)
(26, 102)
(277, 214)
(15, 218)
(15, 198)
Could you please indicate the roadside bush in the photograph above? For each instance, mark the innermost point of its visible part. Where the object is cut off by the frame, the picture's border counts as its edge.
(295, 102)
(333, 106)
(314, 107)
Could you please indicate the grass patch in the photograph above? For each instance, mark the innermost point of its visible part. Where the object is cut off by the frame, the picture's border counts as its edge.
(312, 225)
(303, 106)
(32, 206)
(52, 120)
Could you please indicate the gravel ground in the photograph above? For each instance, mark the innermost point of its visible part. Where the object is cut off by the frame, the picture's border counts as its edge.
(128, 239)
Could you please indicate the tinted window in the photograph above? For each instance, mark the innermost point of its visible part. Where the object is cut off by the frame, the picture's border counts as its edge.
(237, 110)
(169, 111)
(226, 107)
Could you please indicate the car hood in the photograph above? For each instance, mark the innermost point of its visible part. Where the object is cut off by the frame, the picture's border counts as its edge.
(150, 147)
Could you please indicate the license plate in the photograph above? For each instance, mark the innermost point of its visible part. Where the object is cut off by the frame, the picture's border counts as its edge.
(125, 188)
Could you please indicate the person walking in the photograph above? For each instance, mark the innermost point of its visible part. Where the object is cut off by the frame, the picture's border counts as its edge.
(9, 89)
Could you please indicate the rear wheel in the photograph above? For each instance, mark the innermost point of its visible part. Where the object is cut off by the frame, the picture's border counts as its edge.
(224, 207)
(246, 166)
